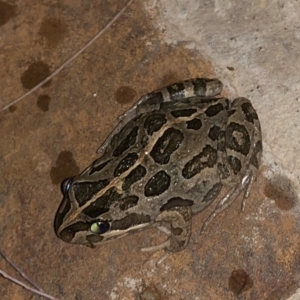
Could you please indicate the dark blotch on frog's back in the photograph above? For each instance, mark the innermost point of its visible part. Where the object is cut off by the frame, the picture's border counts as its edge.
(134, 176)
(126, 163)
(84, 191)
(103, 203)
(127, 142)
(154, 122)
(183, 112)
(207, 158)
(237, 138)
(157, 184)
(194, 124)
(249, 113)
(213, 110)
(168, 143)
(214, 132)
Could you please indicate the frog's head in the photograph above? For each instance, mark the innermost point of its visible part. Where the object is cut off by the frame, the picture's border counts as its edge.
(94, 212)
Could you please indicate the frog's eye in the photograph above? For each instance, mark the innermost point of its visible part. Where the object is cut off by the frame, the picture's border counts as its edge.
(65, 186)
(99, 227)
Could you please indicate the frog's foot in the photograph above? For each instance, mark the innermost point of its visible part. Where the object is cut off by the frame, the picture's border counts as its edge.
(229, 198)
(180, 220)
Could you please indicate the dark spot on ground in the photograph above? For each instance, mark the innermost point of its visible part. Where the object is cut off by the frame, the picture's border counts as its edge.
(7, 12)
(53, 30)
(239, 282)
(12, 108)
(66, 166)
(125, 94)
(37, 72)
(78, 295)
(3, 197)
(151, 293)
(281, 190)
(43, 102)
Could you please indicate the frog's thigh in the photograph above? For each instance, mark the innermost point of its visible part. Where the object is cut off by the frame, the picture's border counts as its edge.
(180, 220)
(229, 198)
(178, 91)
(202, 87)
(239, 154)
(242, 142)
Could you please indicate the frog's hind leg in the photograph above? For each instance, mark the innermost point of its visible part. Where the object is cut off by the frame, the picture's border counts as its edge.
(239, 154)
(229, 198)
(180, 220)
(202, 87)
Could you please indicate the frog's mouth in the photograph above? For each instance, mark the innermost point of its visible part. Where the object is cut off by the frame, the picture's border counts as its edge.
(112, 235)
(118, 228)
(94, 232)
(118, 233)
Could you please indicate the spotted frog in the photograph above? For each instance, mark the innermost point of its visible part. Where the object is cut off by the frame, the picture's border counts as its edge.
(167, 160)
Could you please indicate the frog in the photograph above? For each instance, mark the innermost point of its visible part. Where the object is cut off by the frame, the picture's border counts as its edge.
(167, 160)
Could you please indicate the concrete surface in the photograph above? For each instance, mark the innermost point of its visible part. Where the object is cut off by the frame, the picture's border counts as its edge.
(54, 133)
(254, 47)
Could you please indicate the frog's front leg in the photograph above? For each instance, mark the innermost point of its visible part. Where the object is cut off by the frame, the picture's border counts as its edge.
(239, 154)
(180, 220)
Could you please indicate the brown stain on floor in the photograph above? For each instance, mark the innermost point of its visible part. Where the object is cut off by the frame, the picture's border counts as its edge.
(36, 73)
(53, 30)
(43, 102)
(281, 190)
(239, 282)
(125, 94)
(87, 97)
(151, 292)
(65, 167)
(7, 12)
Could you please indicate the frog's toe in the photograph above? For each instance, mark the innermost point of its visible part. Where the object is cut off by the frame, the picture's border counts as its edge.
(179, 219)
(163, 246)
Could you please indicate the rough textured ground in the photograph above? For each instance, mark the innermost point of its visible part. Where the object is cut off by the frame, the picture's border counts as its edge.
(54, 133)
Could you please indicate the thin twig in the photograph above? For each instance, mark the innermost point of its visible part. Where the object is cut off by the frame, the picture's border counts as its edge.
(117, 16)
(19, 271)
(27, 287)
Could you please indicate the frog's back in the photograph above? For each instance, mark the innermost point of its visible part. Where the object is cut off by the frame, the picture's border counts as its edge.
(166, 157)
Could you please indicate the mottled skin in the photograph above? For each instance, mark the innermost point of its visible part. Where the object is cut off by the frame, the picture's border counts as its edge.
(167, 159)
